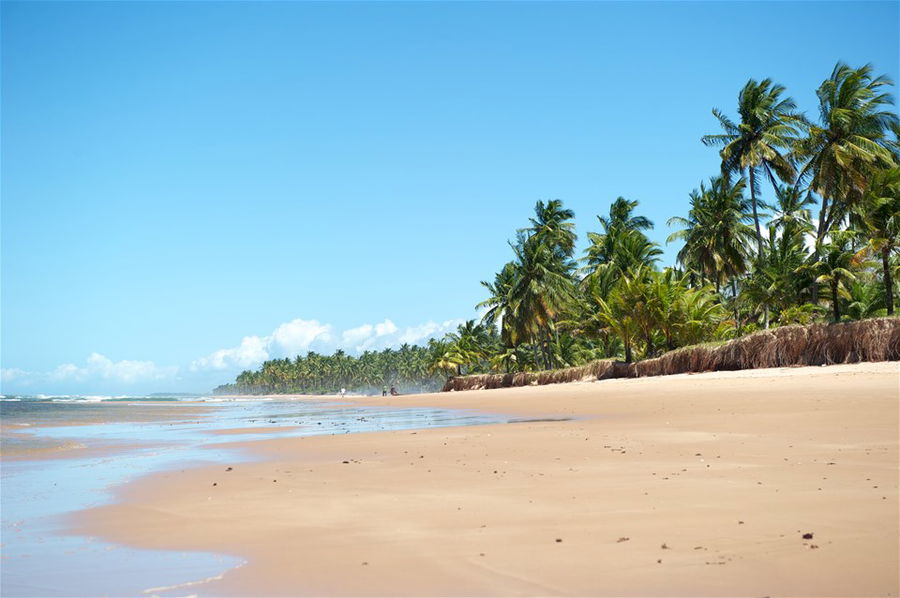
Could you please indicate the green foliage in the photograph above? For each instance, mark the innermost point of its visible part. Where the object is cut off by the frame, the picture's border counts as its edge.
(542, 312)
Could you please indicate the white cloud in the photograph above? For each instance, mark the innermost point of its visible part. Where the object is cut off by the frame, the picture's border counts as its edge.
(298, 336)
(68, 371)
(354, 336)
(423, 332)
(287, 340)
(100, 367)
(127, 371)
(10, 374)
(252, 351)
(385, 328)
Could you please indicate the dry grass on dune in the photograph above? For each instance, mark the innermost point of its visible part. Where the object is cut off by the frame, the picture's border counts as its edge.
(816, 344)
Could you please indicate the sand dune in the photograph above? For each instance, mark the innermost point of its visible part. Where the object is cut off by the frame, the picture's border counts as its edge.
(771, 482)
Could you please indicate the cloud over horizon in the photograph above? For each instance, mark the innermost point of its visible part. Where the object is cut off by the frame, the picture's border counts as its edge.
(99, 373)
(299, 336)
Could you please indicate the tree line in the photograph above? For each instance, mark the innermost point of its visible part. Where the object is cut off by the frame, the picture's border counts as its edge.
(824, 247)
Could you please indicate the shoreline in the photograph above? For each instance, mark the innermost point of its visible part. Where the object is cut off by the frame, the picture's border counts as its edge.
(700, 484)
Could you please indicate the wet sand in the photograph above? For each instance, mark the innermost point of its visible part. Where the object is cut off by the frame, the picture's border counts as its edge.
(762, 483)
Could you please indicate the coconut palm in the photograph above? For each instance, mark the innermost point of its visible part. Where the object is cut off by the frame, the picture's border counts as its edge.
(850, 141)
(541, 292)
(715, 232)
(760, 143)
(499, 305)
(791, 212)
(879, 216)
(552, 227)
(864, 300)
(835, 267)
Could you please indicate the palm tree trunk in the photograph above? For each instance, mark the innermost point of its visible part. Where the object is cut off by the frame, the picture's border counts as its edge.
(627, 343)
(888, 281)
(737, 323)
(834, 299)
(759, 241)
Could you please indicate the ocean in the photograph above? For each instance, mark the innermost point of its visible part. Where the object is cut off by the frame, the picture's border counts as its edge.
(62, 454)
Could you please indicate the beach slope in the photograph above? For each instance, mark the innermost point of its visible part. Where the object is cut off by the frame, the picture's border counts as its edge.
(759, 483)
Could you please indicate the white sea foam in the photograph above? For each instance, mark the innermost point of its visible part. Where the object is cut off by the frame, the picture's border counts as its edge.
(188, 584)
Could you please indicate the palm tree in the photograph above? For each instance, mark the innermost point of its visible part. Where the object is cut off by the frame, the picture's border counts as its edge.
(539, 295)
(850, 142)
(616, 313)
(865, 300)
(791, 213)
(835, 267)
(552, 226)
(715, 232)
(621, 245)
(499, 304)
(880, 218)
(761, 142)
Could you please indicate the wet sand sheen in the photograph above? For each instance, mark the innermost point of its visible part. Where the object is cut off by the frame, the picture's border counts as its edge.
(772, 482)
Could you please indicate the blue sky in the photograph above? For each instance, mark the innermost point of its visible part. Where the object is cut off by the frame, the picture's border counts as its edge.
(188, 188)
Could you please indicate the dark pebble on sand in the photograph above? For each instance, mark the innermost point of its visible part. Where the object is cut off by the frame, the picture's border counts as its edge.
(229, 469)
(215, 484)
(559, 539)
(808, 536)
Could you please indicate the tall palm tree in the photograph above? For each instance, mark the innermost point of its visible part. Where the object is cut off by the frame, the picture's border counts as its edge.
(880, 218)
(791, 212)
(621, 245)
(835, 267)
(499, 304)
(850, 141)
(760, 143)
(552, 226)
(715, 232)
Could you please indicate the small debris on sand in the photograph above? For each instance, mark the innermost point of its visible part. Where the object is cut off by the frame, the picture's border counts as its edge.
(808, 536)
(623, 539)
(559, 539)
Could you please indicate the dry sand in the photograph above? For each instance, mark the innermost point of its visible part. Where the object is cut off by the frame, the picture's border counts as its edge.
(683, 485)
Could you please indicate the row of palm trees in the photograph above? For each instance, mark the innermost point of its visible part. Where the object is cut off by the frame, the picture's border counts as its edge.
(736, 272)
(409, 367)
(745, 263)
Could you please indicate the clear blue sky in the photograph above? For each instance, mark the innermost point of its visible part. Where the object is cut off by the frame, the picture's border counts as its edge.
(179, 176)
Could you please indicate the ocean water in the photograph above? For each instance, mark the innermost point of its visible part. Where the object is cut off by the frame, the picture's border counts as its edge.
(64, 454)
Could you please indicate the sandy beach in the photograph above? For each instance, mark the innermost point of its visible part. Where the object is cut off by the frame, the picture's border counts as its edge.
(759, 483)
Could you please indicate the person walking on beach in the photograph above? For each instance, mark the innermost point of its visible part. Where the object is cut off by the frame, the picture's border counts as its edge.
(384, 391)
(343, 390)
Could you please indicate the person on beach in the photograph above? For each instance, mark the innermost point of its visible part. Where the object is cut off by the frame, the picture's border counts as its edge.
(343, 390)
(394, 392)
(384, 391)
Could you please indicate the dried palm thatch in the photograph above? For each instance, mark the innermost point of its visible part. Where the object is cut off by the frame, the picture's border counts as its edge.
(816, 344)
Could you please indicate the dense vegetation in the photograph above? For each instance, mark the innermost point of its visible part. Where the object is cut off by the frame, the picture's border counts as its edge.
(746, 263)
